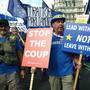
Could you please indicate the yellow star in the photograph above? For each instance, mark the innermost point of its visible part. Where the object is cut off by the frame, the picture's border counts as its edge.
(68, 37)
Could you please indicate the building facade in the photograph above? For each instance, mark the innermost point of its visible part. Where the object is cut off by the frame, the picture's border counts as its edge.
(71, 8)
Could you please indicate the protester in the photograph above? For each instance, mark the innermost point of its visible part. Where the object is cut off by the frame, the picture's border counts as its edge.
(61, 63)
(10, 59)
(84, 78)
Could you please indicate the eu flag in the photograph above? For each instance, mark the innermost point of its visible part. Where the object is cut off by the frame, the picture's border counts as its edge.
(16, 9)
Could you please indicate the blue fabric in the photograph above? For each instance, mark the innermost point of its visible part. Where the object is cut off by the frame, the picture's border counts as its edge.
(2, 39)
(19, 45)
(60, 63)
(9, 18)
(4, 68)
(15, 7)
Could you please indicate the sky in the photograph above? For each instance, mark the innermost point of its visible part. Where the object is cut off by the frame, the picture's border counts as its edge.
(48, 2)
(84, 1)
(3, 6)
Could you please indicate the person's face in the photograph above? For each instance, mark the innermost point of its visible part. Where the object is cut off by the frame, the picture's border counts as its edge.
(58, 27)
(13, 30)
(3, 30)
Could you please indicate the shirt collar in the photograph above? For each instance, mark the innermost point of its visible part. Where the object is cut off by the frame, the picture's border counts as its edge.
(58, 35)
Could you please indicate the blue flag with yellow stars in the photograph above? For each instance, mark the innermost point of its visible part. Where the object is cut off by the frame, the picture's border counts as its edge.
(15, 7)
(76, 38)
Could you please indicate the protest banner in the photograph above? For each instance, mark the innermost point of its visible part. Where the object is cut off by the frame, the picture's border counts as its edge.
(77, 40)
(37, 49)
(80, 19)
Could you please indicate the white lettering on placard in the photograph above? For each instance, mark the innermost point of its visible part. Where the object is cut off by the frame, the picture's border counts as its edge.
(71, 27)
(84, 28)
(38, 43)
(83, 48)
(70, 45)
(40, 33)
(83, 39)
(36, 53)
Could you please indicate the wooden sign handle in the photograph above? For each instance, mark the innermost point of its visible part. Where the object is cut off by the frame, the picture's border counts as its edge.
(77, 72)
(32, 78)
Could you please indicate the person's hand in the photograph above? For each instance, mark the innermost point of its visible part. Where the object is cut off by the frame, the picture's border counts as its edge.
(22, 73)
(78, 66)
(33, 69)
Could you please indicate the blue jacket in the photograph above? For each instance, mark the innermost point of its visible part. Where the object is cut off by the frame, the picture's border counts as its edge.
(61, 63)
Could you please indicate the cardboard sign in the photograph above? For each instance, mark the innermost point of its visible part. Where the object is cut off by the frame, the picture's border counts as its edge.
(82, 19)
(77, 38)
(37, 47)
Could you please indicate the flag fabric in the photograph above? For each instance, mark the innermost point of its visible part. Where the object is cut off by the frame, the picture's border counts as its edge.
(88, 8)
(9, 18)
(33, 3)
(16, 9)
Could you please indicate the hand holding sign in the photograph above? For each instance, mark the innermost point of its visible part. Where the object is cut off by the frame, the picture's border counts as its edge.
(77, 40)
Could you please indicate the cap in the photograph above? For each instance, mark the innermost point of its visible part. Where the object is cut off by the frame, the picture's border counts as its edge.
(58, 17)
(4, 22)
(4, 25)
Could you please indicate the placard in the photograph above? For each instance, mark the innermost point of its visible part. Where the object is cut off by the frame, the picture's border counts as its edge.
(37, 47)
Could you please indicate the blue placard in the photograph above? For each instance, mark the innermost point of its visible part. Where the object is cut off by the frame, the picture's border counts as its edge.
(77, 38)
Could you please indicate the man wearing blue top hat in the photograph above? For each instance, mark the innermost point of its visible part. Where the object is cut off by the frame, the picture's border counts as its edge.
(60, 69)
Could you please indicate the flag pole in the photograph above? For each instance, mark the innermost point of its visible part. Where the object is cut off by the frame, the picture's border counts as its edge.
(21, 37)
